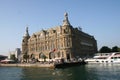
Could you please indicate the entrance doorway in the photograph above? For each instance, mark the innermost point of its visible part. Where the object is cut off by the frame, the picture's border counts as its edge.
(51, 55)
(68, 56)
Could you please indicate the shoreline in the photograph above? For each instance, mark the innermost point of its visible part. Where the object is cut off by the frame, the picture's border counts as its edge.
(28, 65)
(44, 65)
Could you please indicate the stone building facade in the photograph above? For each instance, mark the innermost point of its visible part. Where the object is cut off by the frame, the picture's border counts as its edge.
(60, 42)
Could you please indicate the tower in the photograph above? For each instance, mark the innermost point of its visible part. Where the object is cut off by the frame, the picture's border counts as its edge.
(66, 36)
(25, 42)
(66, 26)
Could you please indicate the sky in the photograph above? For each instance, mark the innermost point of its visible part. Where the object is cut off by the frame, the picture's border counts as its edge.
(100, 18)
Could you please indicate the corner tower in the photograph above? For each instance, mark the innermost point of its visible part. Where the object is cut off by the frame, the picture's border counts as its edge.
(66, 37)
(25, 42)
(66, 26)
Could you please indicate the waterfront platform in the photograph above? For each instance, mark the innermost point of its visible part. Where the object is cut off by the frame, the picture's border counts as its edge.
(45, 65)
(28, 65)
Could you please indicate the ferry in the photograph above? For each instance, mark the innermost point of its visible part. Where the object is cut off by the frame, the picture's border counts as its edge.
(105, 58)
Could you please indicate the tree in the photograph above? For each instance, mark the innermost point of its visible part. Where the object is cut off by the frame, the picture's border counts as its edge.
(105, 49)
(26, 57)
(119, 49)
(12, 57)
(115, 49)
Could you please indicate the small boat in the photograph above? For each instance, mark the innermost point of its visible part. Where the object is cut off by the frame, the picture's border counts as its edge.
(105, 58)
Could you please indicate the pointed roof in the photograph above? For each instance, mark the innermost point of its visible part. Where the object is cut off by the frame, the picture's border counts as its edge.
(26, 33)
(66, 21)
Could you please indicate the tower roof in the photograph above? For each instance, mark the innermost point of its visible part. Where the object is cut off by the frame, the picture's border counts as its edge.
(26, 33)
(66, 21)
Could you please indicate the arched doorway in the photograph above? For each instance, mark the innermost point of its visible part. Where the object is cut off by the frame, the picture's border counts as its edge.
(42, 56)
(68, 56)
(51, 55)
(32, 56)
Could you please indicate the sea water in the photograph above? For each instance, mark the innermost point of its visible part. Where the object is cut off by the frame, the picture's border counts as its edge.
(83, 72)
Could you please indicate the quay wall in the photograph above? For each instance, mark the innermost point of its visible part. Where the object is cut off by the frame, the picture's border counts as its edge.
(46, 65)
(29, 65)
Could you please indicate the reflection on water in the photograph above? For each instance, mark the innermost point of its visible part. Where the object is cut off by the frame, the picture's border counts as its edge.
(104, 71)
(87, 72)
(10, 73)
(47, 74)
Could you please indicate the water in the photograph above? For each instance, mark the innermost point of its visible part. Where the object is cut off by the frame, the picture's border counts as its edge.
(84, 72)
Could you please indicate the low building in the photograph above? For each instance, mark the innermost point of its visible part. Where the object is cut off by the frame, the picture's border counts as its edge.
(17, 53)
(60, 42)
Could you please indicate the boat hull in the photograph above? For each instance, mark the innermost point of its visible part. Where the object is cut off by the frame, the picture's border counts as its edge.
(102, 61)
(70, 64)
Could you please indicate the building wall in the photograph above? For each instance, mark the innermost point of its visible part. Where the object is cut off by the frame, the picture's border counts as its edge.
(83, 43)
(48, 42)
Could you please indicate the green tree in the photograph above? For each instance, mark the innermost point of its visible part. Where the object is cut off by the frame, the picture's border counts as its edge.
(12, 57)
(115, 49)
(26, 57)
(119, 49)
(105, 49)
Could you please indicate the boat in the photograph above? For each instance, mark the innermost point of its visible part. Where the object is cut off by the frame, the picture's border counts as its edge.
(105, 58)
(69, 64)
(61, 63)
